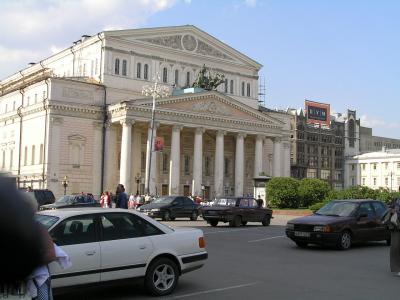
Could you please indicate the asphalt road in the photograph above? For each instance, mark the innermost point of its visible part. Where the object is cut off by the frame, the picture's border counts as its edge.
(256, 262)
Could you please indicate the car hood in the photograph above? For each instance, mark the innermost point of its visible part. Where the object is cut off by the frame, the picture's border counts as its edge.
(319, 220)
(54, 205)
(153, 205)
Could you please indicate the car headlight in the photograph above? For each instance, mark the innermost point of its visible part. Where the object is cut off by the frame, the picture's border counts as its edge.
(325, 228)
(290, 226)
(155, 209)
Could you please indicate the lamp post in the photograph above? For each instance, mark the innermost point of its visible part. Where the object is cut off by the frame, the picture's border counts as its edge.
(203, 190)
(137, 178)
(64, 183)
(156, 91)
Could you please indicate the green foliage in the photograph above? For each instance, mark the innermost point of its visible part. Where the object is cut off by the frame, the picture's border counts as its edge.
(312, 190)
(283, 192)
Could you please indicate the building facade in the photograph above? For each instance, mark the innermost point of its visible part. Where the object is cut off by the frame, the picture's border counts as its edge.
(375, 170)
(81, 114)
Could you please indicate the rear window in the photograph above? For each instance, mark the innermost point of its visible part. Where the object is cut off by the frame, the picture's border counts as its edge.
(46, 221)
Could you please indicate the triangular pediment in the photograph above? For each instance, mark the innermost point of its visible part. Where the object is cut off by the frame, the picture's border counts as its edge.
(213, 104)
(188, 39)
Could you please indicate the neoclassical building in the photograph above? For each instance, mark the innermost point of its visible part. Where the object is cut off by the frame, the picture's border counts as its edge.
(80, 113)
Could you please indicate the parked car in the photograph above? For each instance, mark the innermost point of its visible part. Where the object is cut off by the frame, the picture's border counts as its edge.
(237, 211)
(68, 201)
(109, 245)
(171, 207)
(340, 223)
(41, 197)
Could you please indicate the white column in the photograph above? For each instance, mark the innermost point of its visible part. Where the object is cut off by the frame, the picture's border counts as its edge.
(136, 157)
(125, 162)
(151, 185)
(96, 160)
(219, 164)
(174, 164)
(258, 155)
(54, 176)
(198, 162)
(277, 158)
(239, 164)
(286, 159)
(110, 159)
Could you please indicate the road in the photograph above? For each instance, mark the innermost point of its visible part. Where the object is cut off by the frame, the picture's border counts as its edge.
(256, 262)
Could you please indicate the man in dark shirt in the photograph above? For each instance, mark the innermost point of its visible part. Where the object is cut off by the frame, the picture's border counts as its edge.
(122, 197)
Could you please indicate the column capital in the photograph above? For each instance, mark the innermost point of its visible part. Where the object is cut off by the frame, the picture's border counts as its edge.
(260, 137)
(156, 124)
(177, 127)
(127, 122)
(221, 132)
(200, 130)
(241, 135)
(276, 139)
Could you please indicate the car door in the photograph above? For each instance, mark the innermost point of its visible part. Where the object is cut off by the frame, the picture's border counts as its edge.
(188, 206)
(366, 222)
(382, 232)
(256, 214)
(125, 249)
(243, 209)
(78, 237)
(178, 207)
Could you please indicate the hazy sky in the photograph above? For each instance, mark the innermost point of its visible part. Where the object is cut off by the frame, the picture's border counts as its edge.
(342, 52)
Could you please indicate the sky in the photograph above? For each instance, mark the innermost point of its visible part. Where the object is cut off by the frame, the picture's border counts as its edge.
(342, 52)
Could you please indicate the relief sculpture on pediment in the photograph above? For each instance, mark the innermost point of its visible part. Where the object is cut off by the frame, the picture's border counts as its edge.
(210, 107)
(206, 49)
(172, 41)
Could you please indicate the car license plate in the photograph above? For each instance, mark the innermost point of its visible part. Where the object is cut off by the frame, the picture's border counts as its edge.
(302, 234)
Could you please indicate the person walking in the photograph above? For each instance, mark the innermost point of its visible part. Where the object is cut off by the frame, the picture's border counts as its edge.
(122, 197)
(105, 200)
(260, 202)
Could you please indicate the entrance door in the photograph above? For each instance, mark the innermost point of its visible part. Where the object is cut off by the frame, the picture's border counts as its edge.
(164, 190)
(186, 190)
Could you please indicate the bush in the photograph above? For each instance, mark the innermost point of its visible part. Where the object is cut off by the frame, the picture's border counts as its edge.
(312, 190)
(282, 192)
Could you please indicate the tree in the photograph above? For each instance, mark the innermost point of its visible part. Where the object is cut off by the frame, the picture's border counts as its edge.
(282, 192)
(312, 190)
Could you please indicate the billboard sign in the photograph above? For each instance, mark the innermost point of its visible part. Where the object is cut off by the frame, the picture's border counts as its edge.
(318, 113)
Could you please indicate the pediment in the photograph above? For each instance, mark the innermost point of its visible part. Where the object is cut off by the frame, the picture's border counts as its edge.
(188, 39)
(217, 105)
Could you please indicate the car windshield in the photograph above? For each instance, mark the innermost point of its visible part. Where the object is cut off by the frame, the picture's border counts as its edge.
(46, 221)
(337, 208)
(164, 200)
(225, 202)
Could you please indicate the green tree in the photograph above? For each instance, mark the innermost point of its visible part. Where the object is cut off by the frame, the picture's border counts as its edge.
(313, 190)
(282, 192)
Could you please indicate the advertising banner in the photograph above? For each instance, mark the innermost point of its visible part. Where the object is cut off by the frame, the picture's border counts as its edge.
(318, 113)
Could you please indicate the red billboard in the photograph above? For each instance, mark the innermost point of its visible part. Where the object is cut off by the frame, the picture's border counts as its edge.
(318, 113)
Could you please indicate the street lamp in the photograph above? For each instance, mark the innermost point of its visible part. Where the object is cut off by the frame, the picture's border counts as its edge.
(64, 183)
(156, 91)
(203, 190)
(137, 178)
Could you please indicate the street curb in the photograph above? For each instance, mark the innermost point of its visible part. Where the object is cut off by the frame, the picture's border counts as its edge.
(291, 213)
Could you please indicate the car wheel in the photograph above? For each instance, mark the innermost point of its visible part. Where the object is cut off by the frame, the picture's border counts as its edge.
(213, 223)
(302, 244)
(244, 223)
(266, 221)
(344, 241)
(194, 216)
(166, 216)
(162, 277)
(237, 220)
(388, 241)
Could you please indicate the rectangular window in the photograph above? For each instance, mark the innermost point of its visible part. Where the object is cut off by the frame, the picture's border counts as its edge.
(207, 166)
(363, 181)
(248, 90)
(243, 89)
(146, 72)
(165, 75)
(374, 166)
(187, 79)
(138, 70)
(116, 66)
(226, 86)
(231, 87)
(363, 167)
(165, 163)
(143, 161)
(353, 167)
(386, 181)
(124, 67)
(187, 165)
(374, 181)
(226, 167)
(176, 77)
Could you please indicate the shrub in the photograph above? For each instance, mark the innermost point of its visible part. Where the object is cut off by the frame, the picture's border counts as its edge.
(312, 190)
(282, 192)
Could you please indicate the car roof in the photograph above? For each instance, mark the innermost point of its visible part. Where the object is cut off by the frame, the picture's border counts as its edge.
(68, 212)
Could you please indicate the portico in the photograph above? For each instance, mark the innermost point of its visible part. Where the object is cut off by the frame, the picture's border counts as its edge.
(210, 139)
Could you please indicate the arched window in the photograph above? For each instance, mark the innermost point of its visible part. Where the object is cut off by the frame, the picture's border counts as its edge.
(33, 155)
(242, 88)
(248, 90)
(187, 79)
(231, 87)
(176, 77)
(146, 71)
(226, 86)
(138, 70)
(116, 66)
(124, 67)
(165, 75)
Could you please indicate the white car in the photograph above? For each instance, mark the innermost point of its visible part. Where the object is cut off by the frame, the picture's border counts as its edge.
(106, 245)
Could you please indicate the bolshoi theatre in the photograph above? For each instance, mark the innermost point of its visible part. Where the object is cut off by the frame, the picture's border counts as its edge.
(80, 115)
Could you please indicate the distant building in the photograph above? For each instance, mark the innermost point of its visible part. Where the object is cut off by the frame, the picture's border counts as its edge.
(371, 143)
(375, 169)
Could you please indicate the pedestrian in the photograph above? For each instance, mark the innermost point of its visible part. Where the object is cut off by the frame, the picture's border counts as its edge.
(395, 237)
(132, 201)
(122, 197)
(260, 202)
(105, 200)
